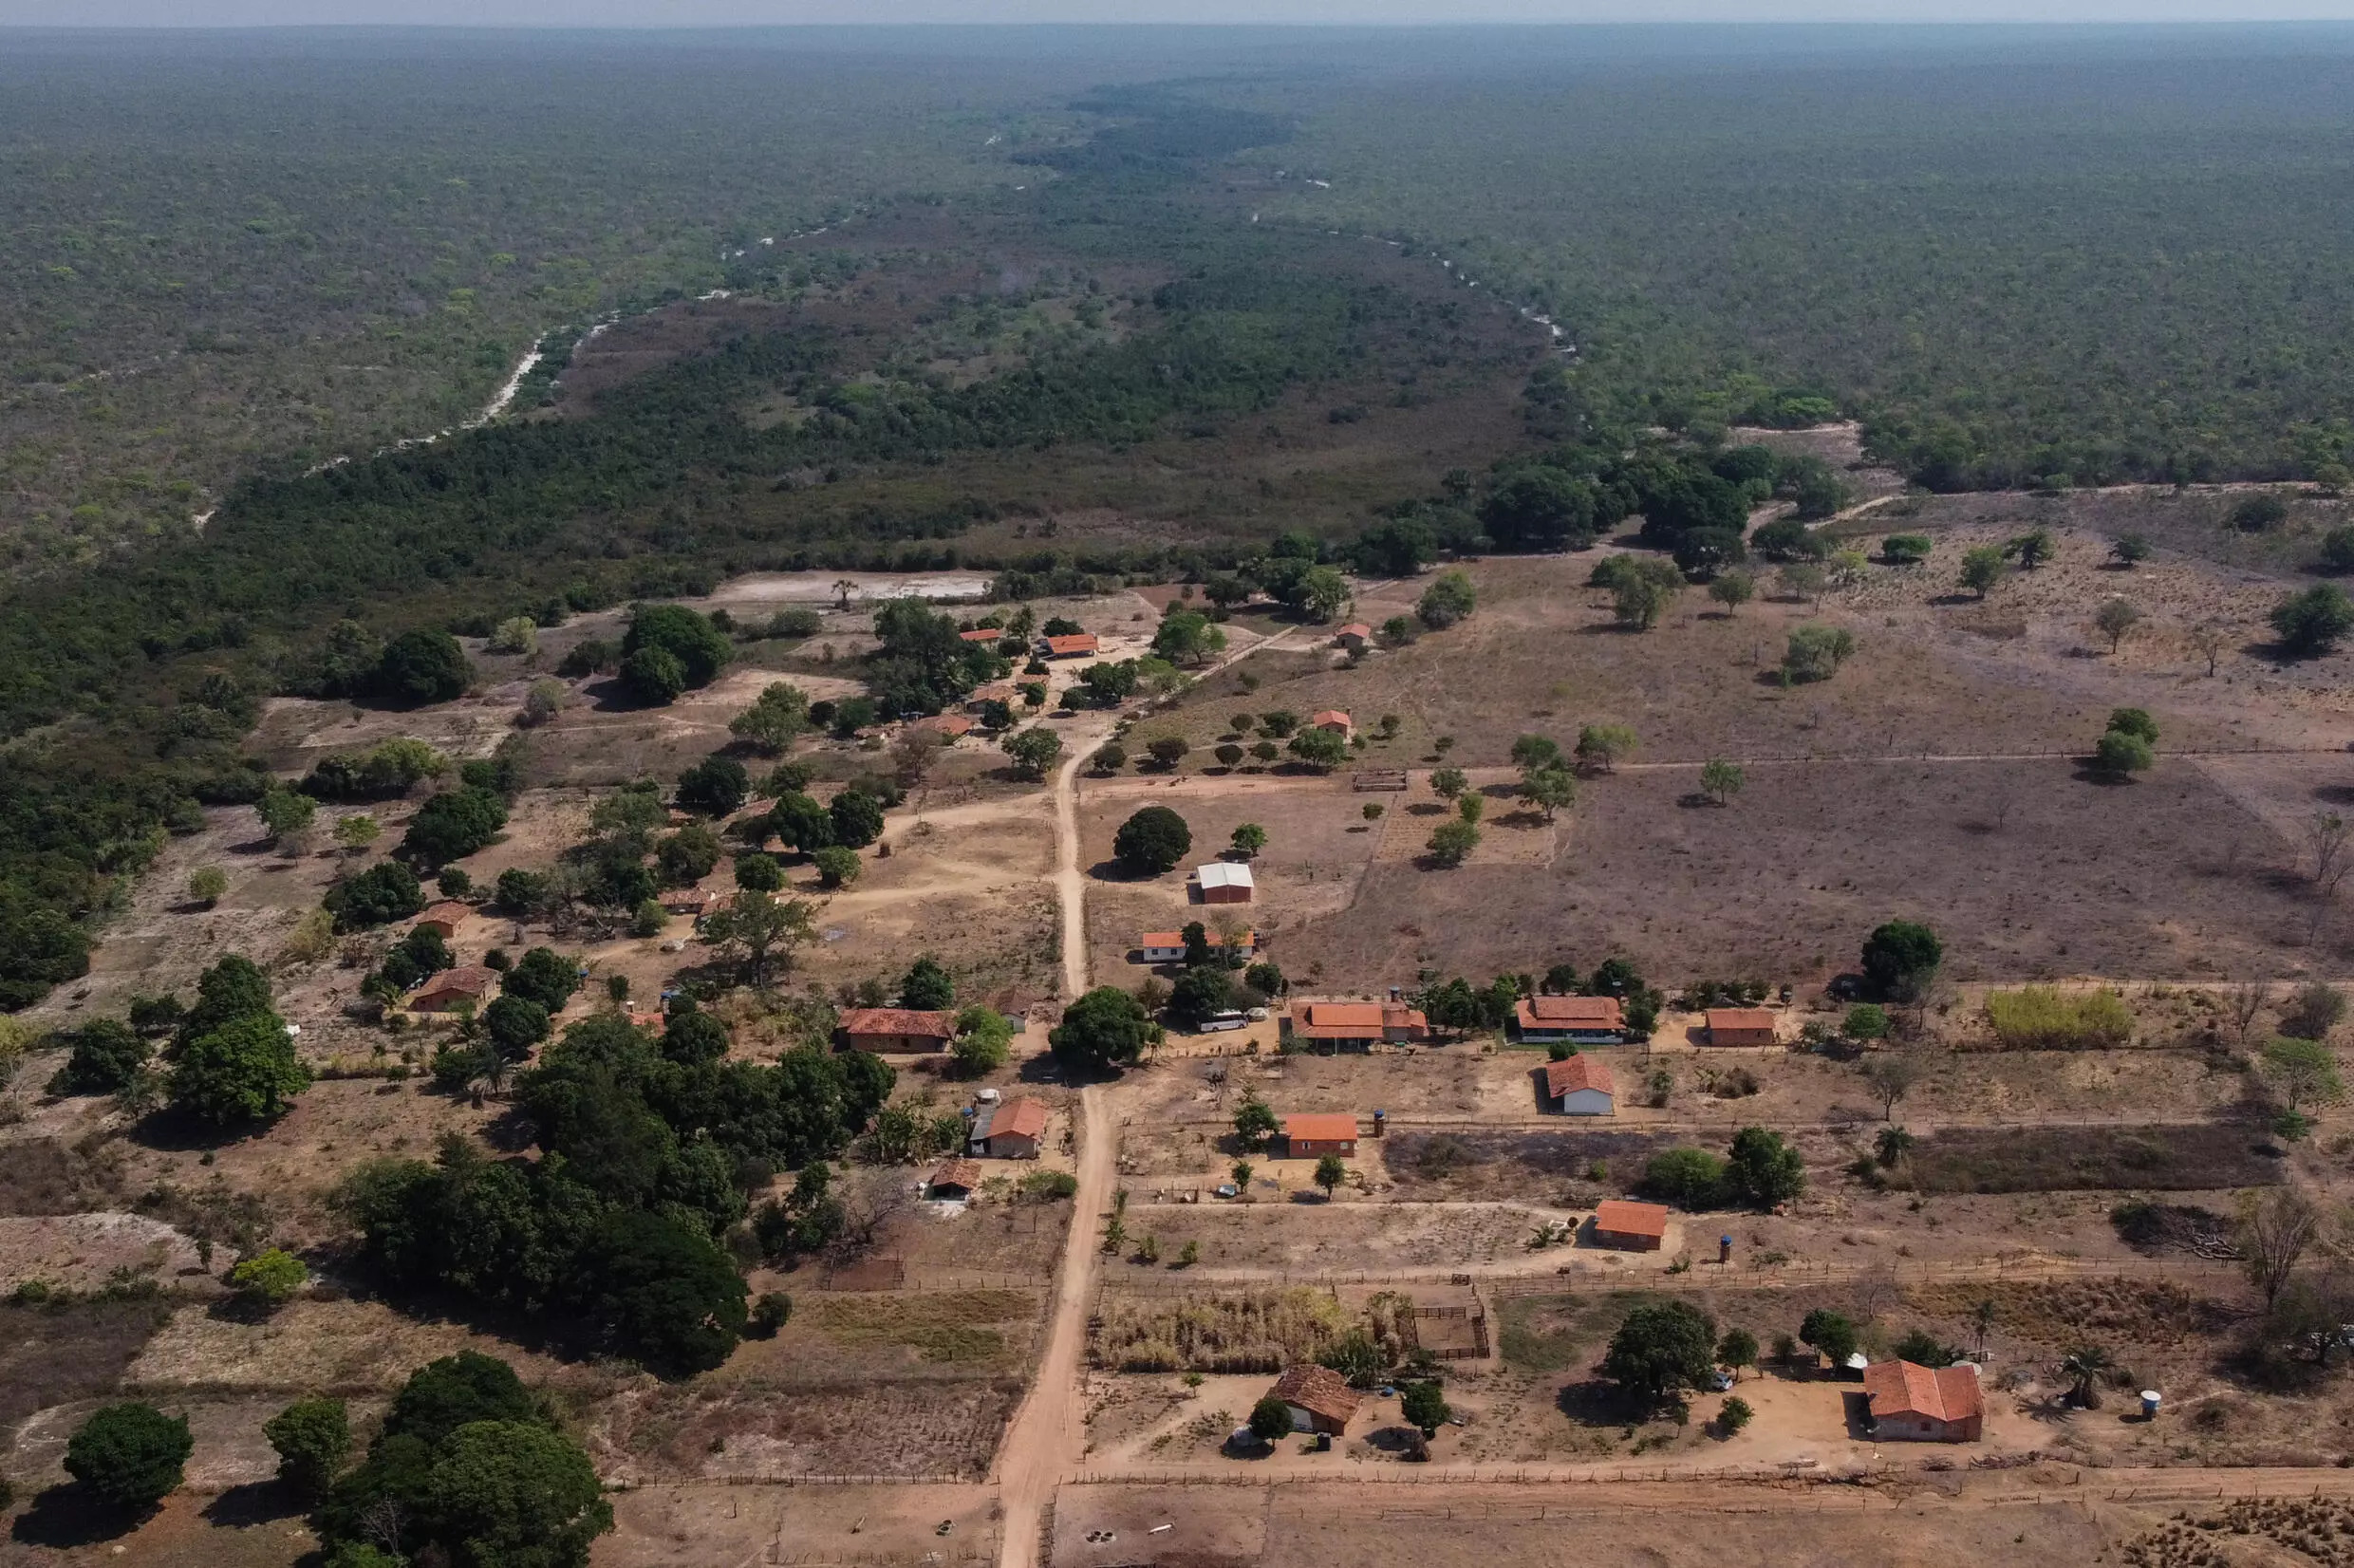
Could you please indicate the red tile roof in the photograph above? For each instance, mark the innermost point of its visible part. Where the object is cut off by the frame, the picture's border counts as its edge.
(1941, 1394)
(1247, 941)
(1319, 1390)
(964, 1174)
(1566, 1077)
(1330, 718)
(1355, 628)
(1321, 1126)
(1740, 1017)
(1570, 1013)
(1625, 1219)
(472, 981)
(899, 1020)
(448, 912)
(983, 634)
(1083, 642)
(947, 723)
(1022, 1118)
(1352, 1021)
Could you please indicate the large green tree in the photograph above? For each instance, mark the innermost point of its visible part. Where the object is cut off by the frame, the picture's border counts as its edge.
(129, 1456)
(1661, 1348)
(1106, 1028)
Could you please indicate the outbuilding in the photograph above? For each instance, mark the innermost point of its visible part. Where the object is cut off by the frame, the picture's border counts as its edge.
(1579, 1020)
(1582, 1086)
(1333, 719)
(1353, 636)
(1224, 881)
(1740, 1026)
(694, 901)
(1012, 1131)
(955, 1179)
(1630, 1227)
(444, 918)
(1075, 646)
(896, 1029)
(1918, 1404)
(1312, 1134)
(1320, 1399)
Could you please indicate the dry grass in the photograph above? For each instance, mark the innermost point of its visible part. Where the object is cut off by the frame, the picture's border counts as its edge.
(2320, 1530)
(962, 1326)
(2151, 1313)
(2040, 1019)
(2027, 1159)
(1257, 1330)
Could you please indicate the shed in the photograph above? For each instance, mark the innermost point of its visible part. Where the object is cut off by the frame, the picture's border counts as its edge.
(696, 902)
(1225, 882)
(1582, 1086)
(454, 988)
(1630, 1227)
(898, 1028)
(1919, 1404)
(1740, 1026)
(1012, 1131)
(1333, 719)
(1077, 645)
(444, 918)
(948, 725)
(991, 635)
(954, 1179)
(1314, 1134)
(1320, 1398)
(1581, 1021)
(1353, 636)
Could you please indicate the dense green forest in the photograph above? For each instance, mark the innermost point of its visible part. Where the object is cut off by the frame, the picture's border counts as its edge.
(1059, 272)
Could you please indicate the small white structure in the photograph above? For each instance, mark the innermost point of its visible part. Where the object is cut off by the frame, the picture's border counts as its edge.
(1580, 1086)
(1225, 882)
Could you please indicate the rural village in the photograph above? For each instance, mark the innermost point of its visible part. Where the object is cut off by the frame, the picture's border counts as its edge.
(1495, 1045)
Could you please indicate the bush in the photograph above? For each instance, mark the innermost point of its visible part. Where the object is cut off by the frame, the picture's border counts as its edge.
(770, 1313)
(386, 891)
(1153, 840)
(1816, 652)
(2259, 513)
(1733, 1415)
(2311, 622)
(129, 1456)
(2040, 1018)
(836, 866)
(1692, 1178)
(1899, 958)
(423, 665)
(717, 786)
(454, 823)
(312, 1437)
(107, 1056)
(758, 872)
(268, 1279)
(1270, 1420)
(856, 817)
(1762, 1170)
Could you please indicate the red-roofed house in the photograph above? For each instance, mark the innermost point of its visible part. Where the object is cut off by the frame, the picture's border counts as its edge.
(991, 635)
(1010, 1131)
(950, 725)
(444, 917)
(1314, 1134)
(1581, 1021)
(896, 1029)
(1077, 645)
(1169, 946)
(1333, 719)
(1740, 1026)
(1630, 1227)
(1924, 1404)
(694, 902)
(1320, 1398)
(954, 1179)
(1354, 1022)
(1353, 636)
(1580, 1086)
(453, 989)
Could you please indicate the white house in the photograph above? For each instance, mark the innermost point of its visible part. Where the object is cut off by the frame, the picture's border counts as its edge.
(1580, 1086)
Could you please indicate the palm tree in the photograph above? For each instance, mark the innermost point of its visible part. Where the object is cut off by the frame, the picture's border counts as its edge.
(1983, 1316)
(2083, 1367)
(491, 1077)
(844, 587)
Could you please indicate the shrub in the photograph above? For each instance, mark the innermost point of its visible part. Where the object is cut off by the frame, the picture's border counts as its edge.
(129, 1456)
(268, 1279)
(312, 1436)
(836, 866)
(1816, 652)
(2311, 622)
(386, 891)
(1692, 1178)
(2040, 1018)
(1733, 1415)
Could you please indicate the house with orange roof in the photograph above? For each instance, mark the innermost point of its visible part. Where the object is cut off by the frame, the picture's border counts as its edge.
(453, 989)
(1579, 1020)
(1169, 946)
(1334, 720)
(1918, 1404)
(1740, 1026)
(1353, 1023)
(895, 1029)
(1320, 1399)
(444, 918)
(1073, 646)
(1630, 1227)
(1582, 1086)
(991, 635)
(1314, 1134)
(1014, 1130)
(1353, 636)
(949, 726)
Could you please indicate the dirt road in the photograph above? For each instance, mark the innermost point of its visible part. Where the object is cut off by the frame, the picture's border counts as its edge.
(1048, 1433)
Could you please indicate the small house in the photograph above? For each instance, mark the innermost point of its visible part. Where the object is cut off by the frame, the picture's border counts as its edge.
(651, 1020)
(1320, 1398)
(1006, 692)
(444, 918)
(1578, 1021)
(455, 988)
(955, 1179)
(1919, 1404)
(1580, 1086)
(896, 1029)
(1740, 1026)
(1012, 1131)
(1224, 881)
(948, 726)
(1333, 719)
(1355, 1024)
(1630, 1227)
(1354, 637)
(1315, 1134)
(1080, 645)
(990, 635)
(694, 902)
(1169, 946)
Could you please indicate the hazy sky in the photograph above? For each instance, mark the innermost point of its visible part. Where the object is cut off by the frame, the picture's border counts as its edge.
(755, 12)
